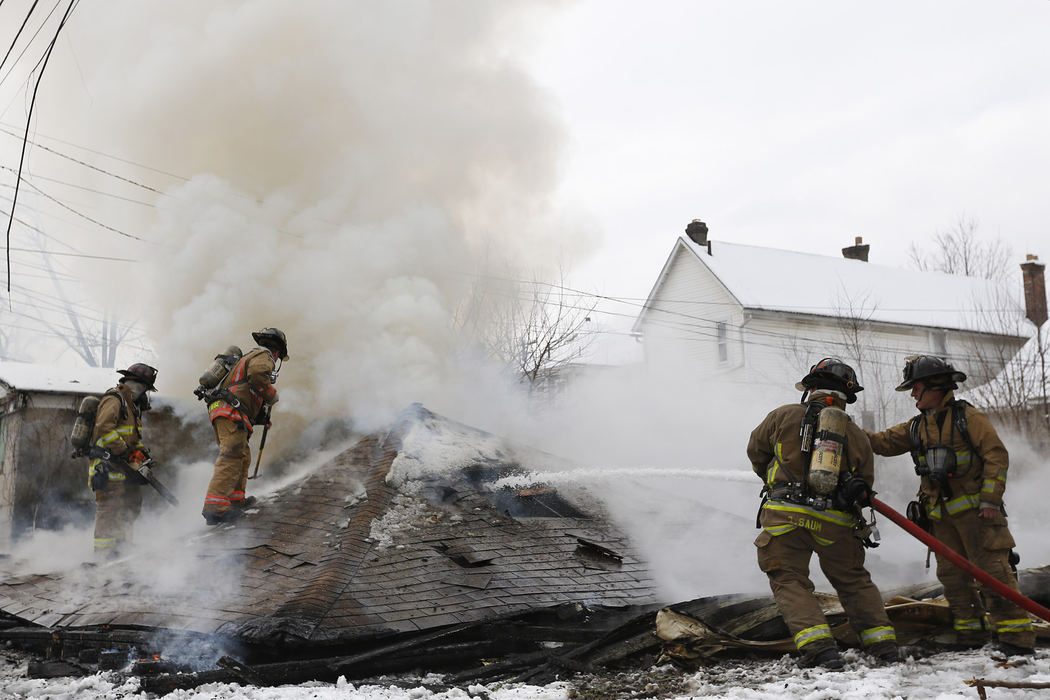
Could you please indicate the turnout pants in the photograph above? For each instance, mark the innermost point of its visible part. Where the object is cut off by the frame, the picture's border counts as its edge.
(230, 477)
(785, 560)
(987, 544)
(117, 505)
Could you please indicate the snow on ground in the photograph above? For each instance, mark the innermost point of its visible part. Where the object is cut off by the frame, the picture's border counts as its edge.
(939, 676)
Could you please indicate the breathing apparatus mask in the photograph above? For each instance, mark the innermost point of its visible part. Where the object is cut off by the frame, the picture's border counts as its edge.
(938, 463)
(139, 394)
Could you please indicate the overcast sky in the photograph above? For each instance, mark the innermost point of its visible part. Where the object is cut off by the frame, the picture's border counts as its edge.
(786, 124)
(800, 124)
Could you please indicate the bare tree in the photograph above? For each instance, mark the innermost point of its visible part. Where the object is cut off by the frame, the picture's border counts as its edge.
(95, 340)
(960, 251)
(865, 354)
(533, 328)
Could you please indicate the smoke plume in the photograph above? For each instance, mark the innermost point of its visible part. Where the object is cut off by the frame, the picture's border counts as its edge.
(350, 172)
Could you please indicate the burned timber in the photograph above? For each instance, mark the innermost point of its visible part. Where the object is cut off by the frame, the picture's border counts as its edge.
(380, 560)
(423, 548)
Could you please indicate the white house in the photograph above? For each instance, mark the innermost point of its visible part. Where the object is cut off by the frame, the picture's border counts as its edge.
(761, 316)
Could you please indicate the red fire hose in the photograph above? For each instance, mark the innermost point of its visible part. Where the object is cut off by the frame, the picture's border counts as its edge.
(960, 561)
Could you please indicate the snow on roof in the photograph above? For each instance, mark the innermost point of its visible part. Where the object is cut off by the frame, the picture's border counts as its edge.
(434, 444)
(1020, 381)
(24, 376)
(821, 285)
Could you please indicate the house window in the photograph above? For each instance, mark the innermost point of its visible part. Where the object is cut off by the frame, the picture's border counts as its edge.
(939, 343)
(722, 334)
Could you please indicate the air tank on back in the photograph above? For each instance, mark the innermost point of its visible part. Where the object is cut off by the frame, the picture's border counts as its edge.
(222, 365)
(828, 448)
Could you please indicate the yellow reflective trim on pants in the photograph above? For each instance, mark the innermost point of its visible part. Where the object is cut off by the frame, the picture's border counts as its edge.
(836, 517)
(812, 634)
(105, 542)
(874, 635)
(780, 529)
(1021, 625)
(968, 624)
(823, 541)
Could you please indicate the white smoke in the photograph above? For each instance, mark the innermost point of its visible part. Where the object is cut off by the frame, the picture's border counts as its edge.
(353, 170)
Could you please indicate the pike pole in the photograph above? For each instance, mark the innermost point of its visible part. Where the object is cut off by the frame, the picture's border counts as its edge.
(262, 444)
(961, 562)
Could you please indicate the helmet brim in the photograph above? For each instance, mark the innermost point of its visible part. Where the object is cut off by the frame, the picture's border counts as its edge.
(267, 340)
(939, 381)
(130, 375)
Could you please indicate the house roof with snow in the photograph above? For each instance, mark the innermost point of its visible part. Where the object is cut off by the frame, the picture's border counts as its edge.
(25, 376)
(790, 282)
(1020, 383)
(412, 528)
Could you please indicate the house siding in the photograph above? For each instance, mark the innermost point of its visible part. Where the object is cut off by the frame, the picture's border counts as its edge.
(681, 326)
(775, 349)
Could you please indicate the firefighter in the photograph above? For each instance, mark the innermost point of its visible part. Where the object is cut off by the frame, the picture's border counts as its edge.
(962, 465)
(797, 519)
(118, 434)
(246, 396)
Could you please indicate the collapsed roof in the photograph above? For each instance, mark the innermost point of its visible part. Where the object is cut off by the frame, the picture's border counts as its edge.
(416, 548)
(408, 530)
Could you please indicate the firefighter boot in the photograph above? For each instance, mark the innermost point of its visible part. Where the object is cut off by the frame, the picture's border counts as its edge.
(228, 517)
(1013, 650)
(971, 639)
(825, 656)
(246, 502)
(885, 653)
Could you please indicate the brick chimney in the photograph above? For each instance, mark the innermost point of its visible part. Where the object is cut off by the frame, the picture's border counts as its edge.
(1034, 290)
(697, 231)
(857, 251)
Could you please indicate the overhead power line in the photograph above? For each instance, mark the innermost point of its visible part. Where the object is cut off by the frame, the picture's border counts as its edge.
(18, 34)
(29, 119)
(70, 255)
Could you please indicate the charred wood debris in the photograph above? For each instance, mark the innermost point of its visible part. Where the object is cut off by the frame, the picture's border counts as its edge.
(536, 646)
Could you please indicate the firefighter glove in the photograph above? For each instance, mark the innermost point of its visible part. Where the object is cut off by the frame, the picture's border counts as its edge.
(137, 456)
(857, 491)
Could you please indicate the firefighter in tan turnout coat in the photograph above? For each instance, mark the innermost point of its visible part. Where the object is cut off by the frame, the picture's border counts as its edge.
(118, 432)
(246, 395)
(962, 464)
(797, 520)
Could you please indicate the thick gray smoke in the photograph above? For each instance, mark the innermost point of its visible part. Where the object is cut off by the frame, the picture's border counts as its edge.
(351, 170)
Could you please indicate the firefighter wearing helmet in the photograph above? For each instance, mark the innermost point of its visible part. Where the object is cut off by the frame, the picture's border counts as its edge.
(818, 468)
(116, 450)
(962, 466)
(245, 397)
